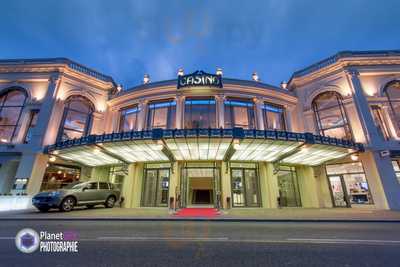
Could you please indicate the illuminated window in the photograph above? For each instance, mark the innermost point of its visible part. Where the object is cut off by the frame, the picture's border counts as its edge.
(77, 118)
(161, 115)
(348, 184)
(396, 167)
(57, 176)
(11, 106)
(392, 91)
(32, 124)
(331, 116)
(273, 116)
(128, 120)
(239, 113)
(379, 122)
(200, 113)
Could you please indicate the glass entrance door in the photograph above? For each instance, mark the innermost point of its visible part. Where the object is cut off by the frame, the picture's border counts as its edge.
(338, 192)
(155, 188)
(245, 187)
(199, 186)
(289, 195)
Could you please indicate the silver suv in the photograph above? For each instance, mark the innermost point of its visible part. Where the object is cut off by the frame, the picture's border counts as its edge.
(86, 194)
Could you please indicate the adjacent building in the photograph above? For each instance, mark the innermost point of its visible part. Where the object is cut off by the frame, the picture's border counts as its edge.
(329, 137)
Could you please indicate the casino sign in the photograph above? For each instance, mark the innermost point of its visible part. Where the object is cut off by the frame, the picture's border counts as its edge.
(200, 78)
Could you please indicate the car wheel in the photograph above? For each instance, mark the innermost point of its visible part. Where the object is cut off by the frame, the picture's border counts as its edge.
(110, 202)
(90, 206)
(43, 209)
(67, 204)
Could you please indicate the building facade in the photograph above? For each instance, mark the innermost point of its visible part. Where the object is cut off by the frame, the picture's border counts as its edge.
(327, 138)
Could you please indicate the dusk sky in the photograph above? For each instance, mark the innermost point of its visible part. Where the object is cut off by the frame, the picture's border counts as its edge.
(126, 39)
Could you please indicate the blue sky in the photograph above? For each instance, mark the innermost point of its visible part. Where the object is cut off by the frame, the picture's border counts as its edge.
(126, 39)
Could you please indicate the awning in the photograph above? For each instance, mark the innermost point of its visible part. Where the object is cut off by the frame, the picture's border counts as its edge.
(203, 144)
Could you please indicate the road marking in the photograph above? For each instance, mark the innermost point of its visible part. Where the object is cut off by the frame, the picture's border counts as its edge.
(338, 240)
(151, 238)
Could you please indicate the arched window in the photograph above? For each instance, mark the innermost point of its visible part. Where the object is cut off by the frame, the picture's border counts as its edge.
(392, 91)
(11, 105)
(331, 116)
(77, 118)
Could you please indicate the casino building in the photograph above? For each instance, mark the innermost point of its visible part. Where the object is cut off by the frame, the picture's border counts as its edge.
(329, 137)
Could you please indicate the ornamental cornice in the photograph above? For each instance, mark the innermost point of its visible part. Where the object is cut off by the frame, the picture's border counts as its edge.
(344, 64)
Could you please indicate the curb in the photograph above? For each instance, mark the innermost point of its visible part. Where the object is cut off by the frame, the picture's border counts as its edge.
(194, 219)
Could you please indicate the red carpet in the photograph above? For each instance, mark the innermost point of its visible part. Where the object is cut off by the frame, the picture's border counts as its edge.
(197, 212)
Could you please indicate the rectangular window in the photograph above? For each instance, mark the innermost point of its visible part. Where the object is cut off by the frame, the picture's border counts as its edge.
(396, 167)
(161, 115)
(57, 176)
(239, 113)
(128, 120)
(379, 122)
(274, 118)
(348, 184)
(32, 124)
(200, 113)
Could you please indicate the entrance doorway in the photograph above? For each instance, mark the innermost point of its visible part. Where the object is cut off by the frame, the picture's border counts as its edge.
(339, 195)
(199, 187)
(289, 195)
(155, 188)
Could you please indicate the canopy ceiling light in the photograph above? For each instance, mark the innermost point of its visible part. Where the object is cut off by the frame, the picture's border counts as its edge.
(316, 154)
(88, 155)
(203, 144)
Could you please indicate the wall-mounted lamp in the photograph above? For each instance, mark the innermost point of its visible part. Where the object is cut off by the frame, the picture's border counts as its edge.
(354, 157)
(52, 159)
(236, 144)
(219, 71)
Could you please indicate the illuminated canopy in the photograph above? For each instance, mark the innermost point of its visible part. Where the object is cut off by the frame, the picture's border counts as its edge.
(203, 144)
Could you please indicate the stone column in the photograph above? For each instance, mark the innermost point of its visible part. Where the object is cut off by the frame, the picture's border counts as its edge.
(174, 182)
(50, 114)
(384, 187)
(226, 185)
(271, 192)
(307, 187)
(180, 110)
(220, 108)
(137, 176)
(259, 114)
(128, 186)
(323, 191)
(7, 174)
(32, 166)
(141, 124)
(362, 107)
(289, 118)
(100, 173)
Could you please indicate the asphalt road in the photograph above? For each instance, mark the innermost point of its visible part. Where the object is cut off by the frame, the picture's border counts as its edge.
(130, 243)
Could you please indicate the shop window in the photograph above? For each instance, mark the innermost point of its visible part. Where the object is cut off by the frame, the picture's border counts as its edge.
(32, 124)
(392, 92)
(200, 113)
(11, 105)
(58, 176)
(396, 167)
(128, 121)
(77, 118)
(161, 115)
(379, 122)
(239, 113)
(273, 117)
(289, 194)
(245, 187)
(348, 184)
(330, 115)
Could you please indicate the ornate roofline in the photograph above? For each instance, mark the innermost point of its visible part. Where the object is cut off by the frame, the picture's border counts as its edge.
(64, 61)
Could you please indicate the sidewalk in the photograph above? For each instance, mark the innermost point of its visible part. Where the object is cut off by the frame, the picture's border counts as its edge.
(240, 214)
